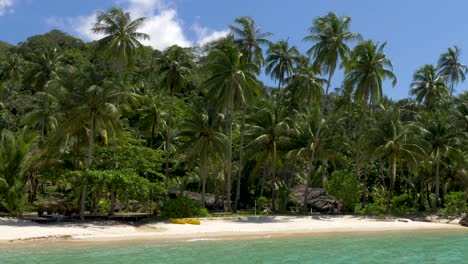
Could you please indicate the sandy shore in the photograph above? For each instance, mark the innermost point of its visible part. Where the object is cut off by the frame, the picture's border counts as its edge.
(12, 230)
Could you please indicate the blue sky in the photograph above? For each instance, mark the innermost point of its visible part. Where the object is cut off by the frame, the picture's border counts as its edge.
(416, 31)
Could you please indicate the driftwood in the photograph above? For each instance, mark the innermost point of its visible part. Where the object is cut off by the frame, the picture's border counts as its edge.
(317, 199)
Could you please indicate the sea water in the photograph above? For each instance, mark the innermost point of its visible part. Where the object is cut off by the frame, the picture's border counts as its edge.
(404, 247)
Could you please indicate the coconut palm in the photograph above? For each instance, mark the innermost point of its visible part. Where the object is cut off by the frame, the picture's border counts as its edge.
(17, 156)
(45, 69)
(91, 104)
(280, 61)
(121, 36)
(11, 70)
(369, 68)
(205, 141)
(445, 141)
(268, 134)
(175, 70)
(232, 82)
(449, 65)
(152, 116)
(304, 85)
(331, 36)
(394, 140)
(429, 87)
(249, 39)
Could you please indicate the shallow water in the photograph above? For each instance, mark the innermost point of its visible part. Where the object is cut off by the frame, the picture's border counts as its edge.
(407, 247)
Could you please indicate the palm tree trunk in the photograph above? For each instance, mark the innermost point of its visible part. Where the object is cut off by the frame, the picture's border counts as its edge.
(168, 140)
(437, 187)
(329, 82)
(262, 186)
(88, 165)
(392, 183)
(422, 208)
(229, 156)
(273, 180)
(309, 175)
(121, 62)
(241, 156)
(204, 174)
(112, 202)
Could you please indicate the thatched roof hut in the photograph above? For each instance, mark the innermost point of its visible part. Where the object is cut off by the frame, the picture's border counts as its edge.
(317, 199)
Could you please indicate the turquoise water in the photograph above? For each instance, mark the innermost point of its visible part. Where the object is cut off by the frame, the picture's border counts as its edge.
(344, 248)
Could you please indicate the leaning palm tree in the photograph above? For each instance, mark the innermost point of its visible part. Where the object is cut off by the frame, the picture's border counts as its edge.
(429, 87)
(369, 68)
(205, 141)
(280, 61)
(175, 69)
(249, 39)
(331, 36)
(449, 65)
(121, 36)
(231, 82)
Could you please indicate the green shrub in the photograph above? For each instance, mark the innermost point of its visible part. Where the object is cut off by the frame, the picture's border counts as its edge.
(401, 204)
(370, 209)
(182, 207)
(261, 202)
(455, 204)
(344, 186)
(203, 212)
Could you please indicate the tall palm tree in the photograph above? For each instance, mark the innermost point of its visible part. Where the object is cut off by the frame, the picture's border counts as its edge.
(249, 39)
(11, 70)
(444, 139)
(331, 36)
(429, 87)
(91, 104)
(393, 140)
(121, 36)
(369, 68)
(268, 134)
(175, 70)
(232, 81)
(205, 141)
(281, 60)
(449, 65)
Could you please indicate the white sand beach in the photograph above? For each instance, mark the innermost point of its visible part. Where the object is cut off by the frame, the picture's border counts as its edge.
(13, 230)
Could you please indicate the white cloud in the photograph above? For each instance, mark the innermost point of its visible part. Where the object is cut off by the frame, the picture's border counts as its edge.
(5, 6)
(206, 35)
(161, 24)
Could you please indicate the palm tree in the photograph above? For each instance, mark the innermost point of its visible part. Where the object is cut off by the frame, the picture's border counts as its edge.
(92, 105)
(175, 69)
(429, 87)
(11, 70)
(444, 139)
(268, 134)
(369, 68)
(304, 85)
(46, 68)
(152, 115)
(393, 140)
(249, 39)
(231, 82)
(331, 36)
(449, 65)
(205, 140)
(121, 36)
(17, 156)
(281, 60)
